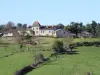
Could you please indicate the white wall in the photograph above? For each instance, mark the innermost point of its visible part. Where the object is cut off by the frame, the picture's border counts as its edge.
(39, 32)
(46, 32)
(36, 30)
(8, 34)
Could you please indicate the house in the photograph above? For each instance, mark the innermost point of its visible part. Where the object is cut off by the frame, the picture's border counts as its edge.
(49, 31)
(84, 34)
(63, 33)
(10, 33)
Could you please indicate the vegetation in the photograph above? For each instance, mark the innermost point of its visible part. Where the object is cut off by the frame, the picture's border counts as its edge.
(78, 27)
(58, 47)
(88, 60)
(74, 27)
(80, 63)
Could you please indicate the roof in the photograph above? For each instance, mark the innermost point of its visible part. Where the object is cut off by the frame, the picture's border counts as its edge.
(85, 32)
(36, 24)
(48, 28)
(68, 32)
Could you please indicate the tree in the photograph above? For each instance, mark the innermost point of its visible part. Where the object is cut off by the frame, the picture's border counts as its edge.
(24, 26)
(88, 28)
(98, 30)
(65, 27)
(9, 25)
(58, 47)
(1, 28)
(19, 26)
(76, 27)
(93, 26)
(60, 26)
(67, 42)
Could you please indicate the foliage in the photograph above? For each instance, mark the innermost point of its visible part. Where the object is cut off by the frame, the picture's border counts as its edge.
(76, 27)
(19, 26)
(1, 28)
(9, 25)
(73, 64)
(58, 46)
(39, 57)
(60, 26)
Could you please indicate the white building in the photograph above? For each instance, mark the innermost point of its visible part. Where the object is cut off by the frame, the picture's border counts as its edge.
(49, 31)
(10, 33)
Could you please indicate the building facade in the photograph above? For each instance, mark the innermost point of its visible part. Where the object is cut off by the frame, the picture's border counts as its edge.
(49, 31)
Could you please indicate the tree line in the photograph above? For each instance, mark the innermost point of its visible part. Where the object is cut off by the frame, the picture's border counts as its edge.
(74, 27)
(78, 27)
(11, 25)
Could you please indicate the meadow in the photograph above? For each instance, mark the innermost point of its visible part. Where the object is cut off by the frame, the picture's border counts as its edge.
(87, 59)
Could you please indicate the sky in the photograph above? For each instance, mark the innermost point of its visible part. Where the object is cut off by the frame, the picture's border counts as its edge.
(48, 12)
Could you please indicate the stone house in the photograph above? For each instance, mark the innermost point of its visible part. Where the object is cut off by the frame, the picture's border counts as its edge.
(84, 34)
(63, 33)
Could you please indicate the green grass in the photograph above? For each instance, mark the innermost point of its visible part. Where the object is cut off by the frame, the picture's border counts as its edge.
(12, 63)
(11, 48)
(88, 60)
(8, 65)
(86, 39)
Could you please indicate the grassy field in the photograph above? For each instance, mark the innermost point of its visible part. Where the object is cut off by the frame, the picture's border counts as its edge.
(87, 60)
(8, 65)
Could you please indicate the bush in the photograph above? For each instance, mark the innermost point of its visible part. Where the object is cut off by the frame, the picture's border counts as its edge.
(79, 44)
(39, 58)
(95, 43)
(58, 46)
(87, 43)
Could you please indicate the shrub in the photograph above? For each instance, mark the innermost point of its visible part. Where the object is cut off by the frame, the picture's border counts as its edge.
(87, 43)
(39, 58)
(79, 44)
(58, 46)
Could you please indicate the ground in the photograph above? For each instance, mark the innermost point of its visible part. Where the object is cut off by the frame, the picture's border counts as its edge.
(87, 60)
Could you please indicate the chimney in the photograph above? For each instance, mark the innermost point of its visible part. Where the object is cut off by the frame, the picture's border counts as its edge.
(47, 26)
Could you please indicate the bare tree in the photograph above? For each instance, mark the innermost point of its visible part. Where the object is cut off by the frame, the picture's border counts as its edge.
(9, 25)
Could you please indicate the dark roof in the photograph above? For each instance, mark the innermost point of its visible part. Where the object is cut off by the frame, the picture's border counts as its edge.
(85, 32)
(48, 27)
(14, 31)
(36, 24)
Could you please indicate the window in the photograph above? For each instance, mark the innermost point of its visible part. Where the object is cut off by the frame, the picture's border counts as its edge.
(49, 31)
(42, 31)
(64, 32)
(37, 28)
(32, 28)
(36, 31)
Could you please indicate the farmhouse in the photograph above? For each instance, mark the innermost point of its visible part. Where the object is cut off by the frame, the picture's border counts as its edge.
(84, 34)
(10, 33)
(39, 30)
(49, 31)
